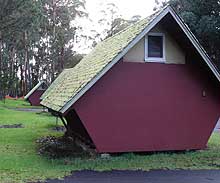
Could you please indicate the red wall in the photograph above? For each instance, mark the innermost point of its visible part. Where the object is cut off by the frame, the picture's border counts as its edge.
(150, 107)
(34, 99)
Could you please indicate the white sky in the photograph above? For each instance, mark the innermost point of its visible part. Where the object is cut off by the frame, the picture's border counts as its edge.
(126, 8)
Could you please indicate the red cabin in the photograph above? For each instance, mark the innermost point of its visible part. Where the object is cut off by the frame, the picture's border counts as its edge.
(150, 87)
(34, 95)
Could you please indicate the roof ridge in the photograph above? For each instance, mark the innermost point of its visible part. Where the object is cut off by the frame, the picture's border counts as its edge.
(72, 85)
(152, 15)
(34, 88)
(125, 29)
(92, 64)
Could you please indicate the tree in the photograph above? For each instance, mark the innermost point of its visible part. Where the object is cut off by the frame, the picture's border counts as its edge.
(60, 32)
(203, 18)
(36, 40)
(16, 18)
(111, 23)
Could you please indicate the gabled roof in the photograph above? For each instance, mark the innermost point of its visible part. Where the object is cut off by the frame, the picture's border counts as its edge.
(104, 56)
(34, 89)
(60, 79)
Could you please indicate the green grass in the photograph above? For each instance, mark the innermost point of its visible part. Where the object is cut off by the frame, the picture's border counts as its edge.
(19, 103)
(19, 161)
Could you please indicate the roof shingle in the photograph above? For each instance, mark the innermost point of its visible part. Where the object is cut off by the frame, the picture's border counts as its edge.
(71, 81)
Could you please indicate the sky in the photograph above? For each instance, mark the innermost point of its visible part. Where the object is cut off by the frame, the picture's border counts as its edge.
(126, 8)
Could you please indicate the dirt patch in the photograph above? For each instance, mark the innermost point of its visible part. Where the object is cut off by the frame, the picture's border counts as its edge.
(12, 126)
(59, 129)
(57, 147)
(27, 109)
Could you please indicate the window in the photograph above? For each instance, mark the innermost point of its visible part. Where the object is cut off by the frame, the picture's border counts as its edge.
(154, 47)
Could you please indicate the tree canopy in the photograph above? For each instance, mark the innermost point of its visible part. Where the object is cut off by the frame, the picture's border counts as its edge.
(36, 40)
(203, 18)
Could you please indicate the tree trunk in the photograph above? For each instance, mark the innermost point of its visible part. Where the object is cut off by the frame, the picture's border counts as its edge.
(27, 64)
(61, 60)
(16, 83)
(54, 37)
(11, 71)
(22, 80)
(1, 85)
(37, 71)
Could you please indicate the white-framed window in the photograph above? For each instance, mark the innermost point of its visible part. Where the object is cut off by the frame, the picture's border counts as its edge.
(155, 47)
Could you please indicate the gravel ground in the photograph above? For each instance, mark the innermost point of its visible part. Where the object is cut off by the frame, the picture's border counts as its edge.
(30, 109)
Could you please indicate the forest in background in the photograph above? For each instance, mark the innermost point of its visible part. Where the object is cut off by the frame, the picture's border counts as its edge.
(38, 38)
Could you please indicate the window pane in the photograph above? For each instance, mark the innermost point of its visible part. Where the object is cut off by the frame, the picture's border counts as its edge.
(155, 46)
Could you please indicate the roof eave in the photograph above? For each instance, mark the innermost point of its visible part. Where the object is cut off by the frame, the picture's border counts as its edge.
(195, 42)
(33, 90)
(156, 20)
(114, 61)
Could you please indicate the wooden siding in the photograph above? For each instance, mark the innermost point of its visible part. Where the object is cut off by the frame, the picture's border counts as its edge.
(150, 107)
(34, 99)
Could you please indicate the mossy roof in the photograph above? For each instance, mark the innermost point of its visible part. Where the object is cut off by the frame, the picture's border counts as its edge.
(73, 80)
(56, 82)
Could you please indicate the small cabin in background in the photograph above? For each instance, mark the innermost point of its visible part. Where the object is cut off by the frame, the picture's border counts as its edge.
(35, 94)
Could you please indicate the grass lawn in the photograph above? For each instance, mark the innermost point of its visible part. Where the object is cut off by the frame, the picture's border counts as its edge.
(19, 161)
(19, 103)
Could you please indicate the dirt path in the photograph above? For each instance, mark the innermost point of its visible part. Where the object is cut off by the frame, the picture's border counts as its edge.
(181, 176)
(29, 109)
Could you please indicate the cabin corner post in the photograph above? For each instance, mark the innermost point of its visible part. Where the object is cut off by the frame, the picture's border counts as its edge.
(63, 121)
(69, 131)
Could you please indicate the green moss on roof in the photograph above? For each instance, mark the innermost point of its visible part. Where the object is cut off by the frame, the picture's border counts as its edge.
(70, 82)
(56, 82)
